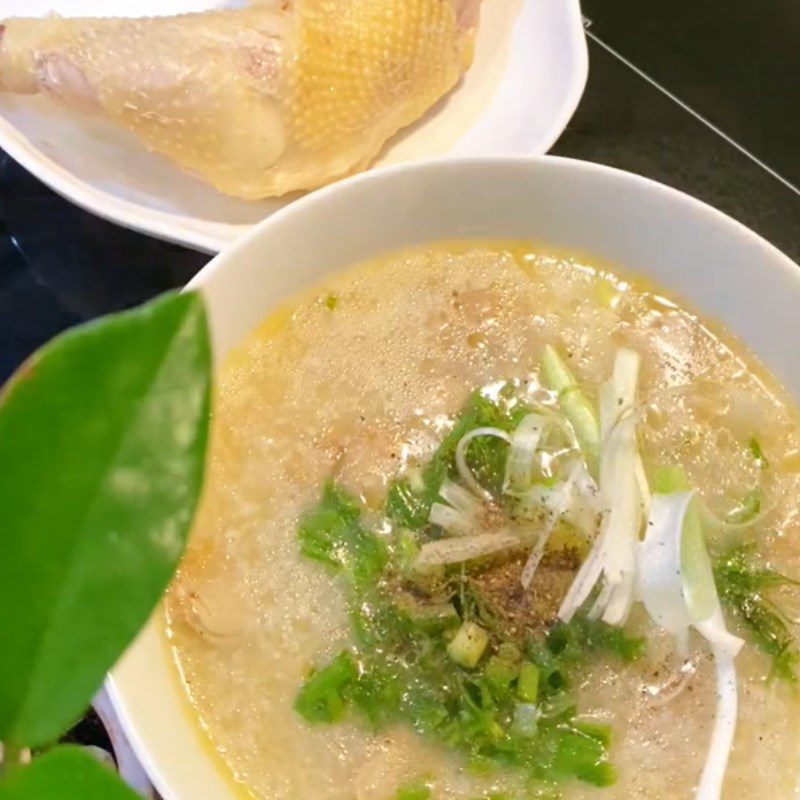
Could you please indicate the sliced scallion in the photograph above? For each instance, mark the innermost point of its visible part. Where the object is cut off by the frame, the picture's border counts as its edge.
(676, 585)
(468, 645)
(557, 376)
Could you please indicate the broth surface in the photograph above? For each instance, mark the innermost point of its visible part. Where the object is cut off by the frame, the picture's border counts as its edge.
(360, 379)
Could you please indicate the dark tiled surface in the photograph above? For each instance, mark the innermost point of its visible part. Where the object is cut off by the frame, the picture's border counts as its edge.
(625, 122)
(736, 62)
(60, 266)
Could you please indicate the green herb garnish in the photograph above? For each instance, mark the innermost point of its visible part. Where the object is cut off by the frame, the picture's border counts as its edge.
(409, 505)
(332, 534)
(574, 640)
(322, 697)
(742, 581)
(432, 663)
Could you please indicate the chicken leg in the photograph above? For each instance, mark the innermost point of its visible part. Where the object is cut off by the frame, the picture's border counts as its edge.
(257, 101)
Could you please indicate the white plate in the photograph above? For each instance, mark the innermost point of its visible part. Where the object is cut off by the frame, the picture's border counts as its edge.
(529, 73)
(689, 248)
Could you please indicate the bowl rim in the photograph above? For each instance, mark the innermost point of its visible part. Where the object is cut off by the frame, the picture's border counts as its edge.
(227, 260)
(217, 263)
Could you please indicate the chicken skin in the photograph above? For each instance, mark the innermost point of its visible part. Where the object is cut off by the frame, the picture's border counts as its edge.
(257, 101)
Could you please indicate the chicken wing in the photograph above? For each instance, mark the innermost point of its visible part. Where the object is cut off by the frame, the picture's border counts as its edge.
(257, 101)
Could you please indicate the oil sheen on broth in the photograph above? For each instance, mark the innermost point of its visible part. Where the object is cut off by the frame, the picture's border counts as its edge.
(358, 381)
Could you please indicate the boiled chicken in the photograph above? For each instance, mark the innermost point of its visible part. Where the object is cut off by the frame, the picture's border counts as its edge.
(257, 101)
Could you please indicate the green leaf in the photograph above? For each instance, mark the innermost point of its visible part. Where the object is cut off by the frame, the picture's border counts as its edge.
(65, 773)
(102, 448)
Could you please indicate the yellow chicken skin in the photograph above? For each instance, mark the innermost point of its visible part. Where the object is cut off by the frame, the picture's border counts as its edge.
(257, 101)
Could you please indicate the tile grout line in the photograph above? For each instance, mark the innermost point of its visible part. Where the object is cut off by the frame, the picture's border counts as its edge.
(691, 111)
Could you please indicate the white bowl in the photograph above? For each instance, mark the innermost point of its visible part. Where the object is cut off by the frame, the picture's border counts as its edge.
(715, 264)
(529, 73)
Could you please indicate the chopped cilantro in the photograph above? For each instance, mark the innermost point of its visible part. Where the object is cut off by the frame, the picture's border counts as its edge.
(400, 668)
(332, 534)
(410, 507)
(322, 698)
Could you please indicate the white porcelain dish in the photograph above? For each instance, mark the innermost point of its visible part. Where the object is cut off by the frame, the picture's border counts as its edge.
(529, 73)
(714, 263)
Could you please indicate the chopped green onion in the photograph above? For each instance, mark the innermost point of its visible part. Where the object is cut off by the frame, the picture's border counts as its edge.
(430, 617)
(669, 480)
(528, 682)
(427, 662)
(557, 376)
(612, 559)
(500, 673)
(698, 576)
(465, 548)
(660, 587)
(462, 450)
(460, 516)
(468, 645)
(409, 502)
(575, 500)
(521, 457)
(676, 585)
